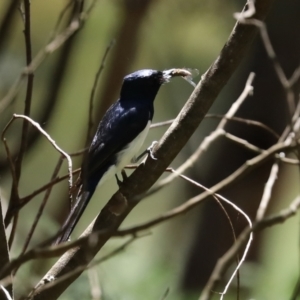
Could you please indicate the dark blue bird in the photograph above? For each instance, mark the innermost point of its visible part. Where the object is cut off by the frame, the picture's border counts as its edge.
(119, 136)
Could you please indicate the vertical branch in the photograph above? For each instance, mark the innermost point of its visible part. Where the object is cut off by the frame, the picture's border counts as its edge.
(18, 164)
(65, 40)
(92, 97)
(124, 52)
(4, 254)
(27, 34)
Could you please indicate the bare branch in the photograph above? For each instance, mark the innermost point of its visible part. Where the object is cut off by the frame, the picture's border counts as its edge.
(234, 119)
(53, 143)
(267, 192)
(56, 180)
(144, 177)
(212, 137)
(226, 260)
(10, 212)
(92, 97)
(7, 294)
(42, 206)
(60, 18)
(4, 253)
(48, 285)
(241, 171)
(51, 47)
(14, 197)
(285, 82)
(95, 288)
(248, 90)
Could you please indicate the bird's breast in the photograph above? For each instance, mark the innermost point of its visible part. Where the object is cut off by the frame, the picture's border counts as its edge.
(125, 156)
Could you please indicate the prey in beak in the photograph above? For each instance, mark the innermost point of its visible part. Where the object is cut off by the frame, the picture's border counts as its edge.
(187, 74)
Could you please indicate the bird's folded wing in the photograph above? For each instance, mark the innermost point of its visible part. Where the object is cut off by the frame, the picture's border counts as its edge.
(117, 129)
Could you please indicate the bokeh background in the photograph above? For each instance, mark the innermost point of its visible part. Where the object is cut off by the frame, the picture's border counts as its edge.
(179, 254)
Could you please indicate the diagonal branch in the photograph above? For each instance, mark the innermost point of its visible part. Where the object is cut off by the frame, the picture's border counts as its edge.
(146, 174)
(10, 213)
(226, 260)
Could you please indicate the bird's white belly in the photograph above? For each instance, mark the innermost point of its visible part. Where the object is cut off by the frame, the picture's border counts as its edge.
(126, 155)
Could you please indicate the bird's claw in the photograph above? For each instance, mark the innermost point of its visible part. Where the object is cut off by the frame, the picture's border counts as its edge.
(124, 175)
(124, 178)
(119, 182)
(147, 151)
(150, 149)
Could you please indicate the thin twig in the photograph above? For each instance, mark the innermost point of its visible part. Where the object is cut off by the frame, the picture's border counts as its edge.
(95, 288)
(14, 197)
(217, 197)
(166, 293)
(212, 137)
(42, 206)
(248, 90)
(4, 252)
(51, 47)
(27, 34)
(53, 143)
(14, 185)
(59, 20)
(8, 296)
(285, 83)
(225, 261)
(237, 174)
(82, 268)
(56, 180)
(267, 192)
(234, 119)
(234, 240)
(246, 248)
(92, 96)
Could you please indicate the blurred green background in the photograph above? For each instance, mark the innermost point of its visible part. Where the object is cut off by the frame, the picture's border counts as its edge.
(179, 254)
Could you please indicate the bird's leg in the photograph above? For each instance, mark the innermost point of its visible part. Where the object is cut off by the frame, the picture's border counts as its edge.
(119, 182)
(136, 159)
(147, 151)
(124, 177)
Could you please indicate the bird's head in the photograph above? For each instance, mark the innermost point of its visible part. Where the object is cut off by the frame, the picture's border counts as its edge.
(144, 84)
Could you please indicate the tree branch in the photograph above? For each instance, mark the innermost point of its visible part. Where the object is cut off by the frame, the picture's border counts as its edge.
(146, 174)
(4, 254)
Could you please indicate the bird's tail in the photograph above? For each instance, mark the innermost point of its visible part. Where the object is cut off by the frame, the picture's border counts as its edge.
(77, 210)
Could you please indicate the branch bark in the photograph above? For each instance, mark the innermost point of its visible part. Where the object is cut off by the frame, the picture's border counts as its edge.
(122, 202)
(4, 255)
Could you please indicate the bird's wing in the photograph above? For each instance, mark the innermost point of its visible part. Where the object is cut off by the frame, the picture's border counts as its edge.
(118, 128)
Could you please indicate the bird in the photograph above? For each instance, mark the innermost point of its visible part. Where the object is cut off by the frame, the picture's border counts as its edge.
(119, 136)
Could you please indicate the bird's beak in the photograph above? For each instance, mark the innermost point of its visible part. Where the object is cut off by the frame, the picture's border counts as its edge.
(184, 73)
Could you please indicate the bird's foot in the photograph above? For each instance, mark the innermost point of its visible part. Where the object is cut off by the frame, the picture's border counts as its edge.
(119, 182)
(124, 178)
(124, 175)
(148, 151)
